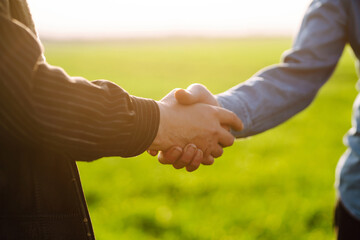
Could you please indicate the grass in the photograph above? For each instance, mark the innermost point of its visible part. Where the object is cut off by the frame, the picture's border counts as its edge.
(276, 185)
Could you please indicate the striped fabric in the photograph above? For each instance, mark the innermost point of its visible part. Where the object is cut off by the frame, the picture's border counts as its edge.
(41, 106)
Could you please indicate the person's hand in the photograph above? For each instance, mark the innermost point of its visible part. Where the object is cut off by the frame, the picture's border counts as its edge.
(189, 157)
(200, 124)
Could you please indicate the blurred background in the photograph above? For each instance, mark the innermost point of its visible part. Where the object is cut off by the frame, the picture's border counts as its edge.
(276, 185)
(84, 19)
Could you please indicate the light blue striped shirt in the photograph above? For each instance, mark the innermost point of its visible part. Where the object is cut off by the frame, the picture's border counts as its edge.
(276, 93)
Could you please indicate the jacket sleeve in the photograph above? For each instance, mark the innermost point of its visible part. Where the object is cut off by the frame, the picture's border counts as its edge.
(276, 93)
(42, 107)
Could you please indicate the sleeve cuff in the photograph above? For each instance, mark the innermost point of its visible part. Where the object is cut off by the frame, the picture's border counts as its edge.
(147, 120)
(233, 103)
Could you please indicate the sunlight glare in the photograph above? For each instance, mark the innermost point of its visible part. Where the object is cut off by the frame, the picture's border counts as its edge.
(121, 18)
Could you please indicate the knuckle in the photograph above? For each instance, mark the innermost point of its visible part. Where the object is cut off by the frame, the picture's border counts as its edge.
(214, 132)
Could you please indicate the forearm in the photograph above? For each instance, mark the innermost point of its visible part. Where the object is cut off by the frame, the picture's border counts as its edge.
(275, 94)
(267, 99)
(43, 107)
(97, 118)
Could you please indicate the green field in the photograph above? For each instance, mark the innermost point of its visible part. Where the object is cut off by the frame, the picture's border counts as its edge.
(277, 185)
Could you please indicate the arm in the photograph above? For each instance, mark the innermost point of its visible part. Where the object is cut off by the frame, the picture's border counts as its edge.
(42, 107)
(276, 93)
(46, 109)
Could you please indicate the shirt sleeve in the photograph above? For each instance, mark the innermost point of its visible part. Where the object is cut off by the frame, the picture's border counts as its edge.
(278, 92)
(42, 107)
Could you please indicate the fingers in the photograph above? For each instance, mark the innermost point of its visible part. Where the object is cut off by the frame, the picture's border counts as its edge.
(170, 156)
(217, 151)
(229, 118)
(226, 139)
(208, 160)
(227, 128)
(152, 152)
(191, 157)
(195, 163)
(190, 152)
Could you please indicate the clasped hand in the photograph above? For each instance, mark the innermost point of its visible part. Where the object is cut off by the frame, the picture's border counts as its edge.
(193, 128)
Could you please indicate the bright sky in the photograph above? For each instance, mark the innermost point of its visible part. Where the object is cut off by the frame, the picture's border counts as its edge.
(129, 18)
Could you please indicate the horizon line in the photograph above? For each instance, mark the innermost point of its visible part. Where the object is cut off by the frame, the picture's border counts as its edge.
(181, 36)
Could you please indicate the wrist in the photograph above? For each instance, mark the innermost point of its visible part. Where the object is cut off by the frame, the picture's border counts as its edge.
(160, 141)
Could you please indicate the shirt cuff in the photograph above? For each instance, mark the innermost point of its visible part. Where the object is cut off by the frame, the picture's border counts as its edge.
(147, 120)
(235, 104)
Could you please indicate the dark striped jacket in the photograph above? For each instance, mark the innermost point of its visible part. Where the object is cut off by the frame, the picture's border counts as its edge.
(47, 121)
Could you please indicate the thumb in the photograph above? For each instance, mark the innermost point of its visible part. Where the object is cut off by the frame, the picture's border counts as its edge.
(195, 93)
(185, 97)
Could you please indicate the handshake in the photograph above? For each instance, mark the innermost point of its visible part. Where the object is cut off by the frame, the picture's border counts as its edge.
(193, 128)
